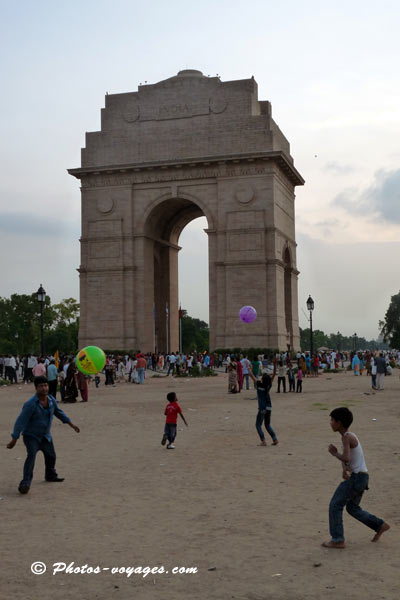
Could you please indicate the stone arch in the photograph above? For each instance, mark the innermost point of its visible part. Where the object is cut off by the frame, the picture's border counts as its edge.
(176, 204)
(167, 153)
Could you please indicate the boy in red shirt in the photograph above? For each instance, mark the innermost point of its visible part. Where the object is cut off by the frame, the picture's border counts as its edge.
(171, 411)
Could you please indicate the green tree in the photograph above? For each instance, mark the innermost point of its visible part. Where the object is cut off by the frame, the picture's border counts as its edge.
(319, 339)
(20, 325)
(390, 326)
(66, 312)
(195, 334)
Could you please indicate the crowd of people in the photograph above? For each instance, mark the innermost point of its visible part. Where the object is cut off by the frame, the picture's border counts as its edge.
(291, 368)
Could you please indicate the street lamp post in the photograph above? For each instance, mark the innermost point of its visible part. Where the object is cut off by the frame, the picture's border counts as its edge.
(355, 342)
(41, 297)
(310, 307)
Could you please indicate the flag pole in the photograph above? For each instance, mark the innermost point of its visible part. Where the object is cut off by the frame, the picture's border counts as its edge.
(180, 329)
(154, 327)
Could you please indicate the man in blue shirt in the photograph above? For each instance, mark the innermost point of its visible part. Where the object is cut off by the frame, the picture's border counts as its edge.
(34, 423)
(52, 378)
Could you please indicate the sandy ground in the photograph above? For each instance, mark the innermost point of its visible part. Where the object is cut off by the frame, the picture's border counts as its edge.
(251, 519)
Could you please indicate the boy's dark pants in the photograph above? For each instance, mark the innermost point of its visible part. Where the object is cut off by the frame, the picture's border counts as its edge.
(33, 446)
(299, 385)
(291, 385)
(348, 494)
(170, 432)
(264, 415)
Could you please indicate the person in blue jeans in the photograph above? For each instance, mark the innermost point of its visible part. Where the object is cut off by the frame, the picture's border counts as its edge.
(247, 370)
(265, 408)
(349, 493)
(34, 423)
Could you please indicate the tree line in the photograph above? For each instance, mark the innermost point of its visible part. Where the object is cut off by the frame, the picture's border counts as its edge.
(20, 328)
(20, 325)
(337, 341)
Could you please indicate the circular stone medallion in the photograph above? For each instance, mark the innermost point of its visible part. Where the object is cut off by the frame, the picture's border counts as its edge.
(244, 193)
(105, 205)
(131, 111)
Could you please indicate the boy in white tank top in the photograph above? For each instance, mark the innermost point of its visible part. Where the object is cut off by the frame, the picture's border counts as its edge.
(349, 493)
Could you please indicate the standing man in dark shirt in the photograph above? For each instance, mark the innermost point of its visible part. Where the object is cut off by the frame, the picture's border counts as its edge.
(34, 423)
(265, 408)
(380, 362)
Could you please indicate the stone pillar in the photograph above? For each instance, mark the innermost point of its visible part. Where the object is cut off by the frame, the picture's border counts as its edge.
(173, 299)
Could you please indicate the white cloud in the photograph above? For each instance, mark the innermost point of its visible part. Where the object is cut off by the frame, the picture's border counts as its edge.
(381, 200)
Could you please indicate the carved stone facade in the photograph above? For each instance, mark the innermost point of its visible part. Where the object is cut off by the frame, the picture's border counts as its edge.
(182, 148)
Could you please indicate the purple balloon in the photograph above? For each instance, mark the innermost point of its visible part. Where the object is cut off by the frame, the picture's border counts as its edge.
(247, 314)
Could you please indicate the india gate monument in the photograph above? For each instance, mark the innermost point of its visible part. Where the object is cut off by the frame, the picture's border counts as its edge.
(182, 148)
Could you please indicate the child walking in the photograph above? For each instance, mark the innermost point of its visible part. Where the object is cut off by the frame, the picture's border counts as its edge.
(299, 380)
(350, 491)
(265, 408)
(171, 412)
(290, 375)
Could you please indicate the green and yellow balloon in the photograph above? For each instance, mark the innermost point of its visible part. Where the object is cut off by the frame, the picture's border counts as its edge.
(90, 360)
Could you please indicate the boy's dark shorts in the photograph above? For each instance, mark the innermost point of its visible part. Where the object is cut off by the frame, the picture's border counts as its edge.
(170, 431)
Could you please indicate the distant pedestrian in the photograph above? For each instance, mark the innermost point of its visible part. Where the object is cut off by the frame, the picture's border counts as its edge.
(82, 383)
(299, 387)
(380, 371)
(291, 378)
(265, 408)
(71, 389)
(282, 370)
(171, 413)
(52, 378)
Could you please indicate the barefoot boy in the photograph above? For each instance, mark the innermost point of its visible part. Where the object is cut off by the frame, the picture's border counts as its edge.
(171, 412)
(350, 491)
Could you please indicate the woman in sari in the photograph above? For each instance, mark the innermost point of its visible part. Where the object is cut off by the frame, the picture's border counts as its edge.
(71, 389)
(355, 364)
(232, 376)
(240, 376)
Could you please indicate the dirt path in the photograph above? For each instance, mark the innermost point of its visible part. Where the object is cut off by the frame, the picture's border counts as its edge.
(251, 519)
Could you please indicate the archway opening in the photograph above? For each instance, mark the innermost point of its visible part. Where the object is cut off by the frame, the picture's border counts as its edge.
(163, 230)
(193, 270)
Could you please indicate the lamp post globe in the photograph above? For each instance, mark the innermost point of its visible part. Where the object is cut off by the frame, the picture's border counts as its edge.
(41, 297)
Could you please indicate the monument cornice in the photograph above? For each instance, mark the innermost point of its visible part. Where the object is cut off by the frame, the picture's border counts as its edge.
(112, 270)
(275, 157)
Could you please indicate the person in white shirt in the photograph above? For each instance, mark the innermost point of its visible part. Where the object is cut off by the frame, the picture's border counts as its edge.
(12, 369)
(355, 474)
(172, 361)
(246, 364)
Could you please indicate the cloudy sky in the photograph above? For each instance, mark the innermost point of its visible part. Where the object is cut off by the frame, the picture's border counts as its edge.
(330, 71)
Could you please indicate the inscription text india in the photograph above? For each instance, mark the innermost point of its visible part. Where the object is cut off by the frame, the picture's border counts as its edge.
(148, 177)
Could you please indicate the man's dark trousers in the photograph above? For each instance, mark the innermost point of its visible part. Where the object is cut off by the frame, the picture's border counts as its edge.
(53, 388)
(33, 446)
